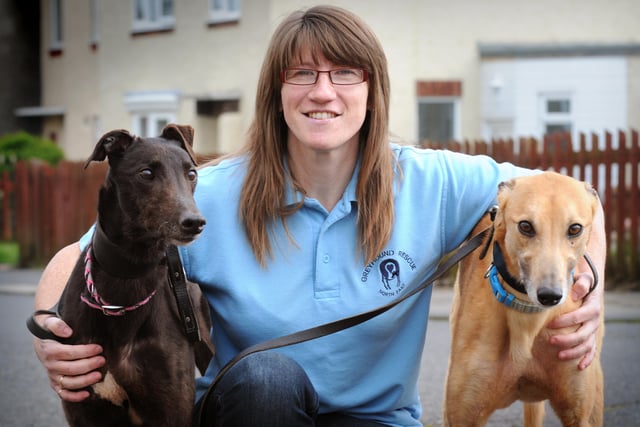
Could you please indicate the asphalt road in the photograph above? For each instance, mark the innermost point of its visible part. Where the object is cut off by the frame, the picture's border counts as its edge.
(27, 400)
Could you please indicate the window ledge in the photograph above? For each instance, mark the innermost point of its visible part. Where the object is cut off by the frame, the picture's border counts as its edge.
(151, 29)
(54, 52)
(221, 22)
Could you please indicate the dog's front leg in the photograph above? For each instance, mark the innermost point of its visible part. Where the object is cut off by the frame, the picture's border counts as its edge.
(469, 395)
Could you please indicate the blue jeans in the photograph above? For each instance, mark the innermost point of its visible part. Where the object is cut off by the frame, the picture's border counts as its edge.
(268, 389)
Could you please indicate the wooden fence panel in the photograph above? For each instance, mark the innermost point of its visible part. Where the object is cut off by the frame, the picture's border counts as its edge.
(54, 206)
(6, 190)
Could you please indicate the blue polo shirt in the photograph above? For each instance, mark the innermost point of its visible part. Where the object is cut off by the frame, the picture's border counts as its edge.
(369, 371)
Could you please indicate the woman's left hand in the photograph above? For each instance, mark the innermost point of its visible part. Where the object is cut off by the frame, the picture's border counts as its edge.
(582, 342)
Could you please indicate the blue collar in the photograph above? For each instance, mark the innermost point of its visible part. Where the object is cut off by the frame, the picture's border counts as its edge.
(505, 297)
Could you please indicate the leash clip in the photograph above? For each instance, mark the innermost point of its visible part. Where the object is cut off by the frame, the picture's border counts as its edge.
(488, 272)
(493, 211)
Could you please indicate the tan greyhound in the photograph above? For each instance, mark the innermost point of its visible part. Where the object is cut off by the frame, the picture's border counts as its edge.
(506, 293)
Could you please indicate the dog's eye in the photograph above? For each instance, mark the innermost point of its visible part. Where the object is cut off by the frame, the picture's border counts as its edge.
(146, 173)
(192, 175)
(574, 230)
(526, 228)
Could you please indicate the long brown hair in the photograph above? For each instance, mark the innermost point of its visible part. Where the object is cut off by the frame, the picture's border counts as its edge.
(344, 39)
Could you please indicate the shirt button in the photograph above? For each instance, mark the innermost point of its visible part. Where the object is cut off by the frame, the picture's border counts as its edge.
(326, 258)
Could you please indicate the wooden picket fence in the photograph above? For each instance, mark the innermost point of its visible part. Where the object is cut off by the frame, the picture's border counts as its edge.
(45, 208)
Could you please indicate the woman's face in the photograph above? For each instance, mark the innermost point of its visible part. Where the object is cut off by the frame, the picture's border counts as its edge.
(323, 116)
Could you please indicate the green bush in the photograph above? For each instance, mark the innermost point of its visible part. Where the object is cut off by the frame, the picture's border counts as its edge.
(23, 146)
(9, 253)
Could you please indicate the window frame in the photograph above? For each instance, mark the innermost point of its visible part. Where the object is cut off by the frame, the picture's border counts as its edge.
(56, 20)
(153, 119)
(456, 119)
(153, 106)
(94, 37)
(149, 23)
(547, 118)
(227, 14)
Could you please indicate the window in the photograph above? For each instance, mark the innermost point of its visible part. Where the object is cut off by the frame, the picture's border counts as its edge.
(94, 23)
(55, 25)
(153, 15)
(151, 111)
(438, 110)
(224, 11)
(438, 119)
(556, 114)
(150, 123)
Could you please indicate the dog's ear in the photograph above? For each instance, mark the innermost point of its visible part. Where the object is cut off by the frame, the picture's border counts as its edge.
(184, 135)
(115, 141)
(592, 192)
(504, 188)
(504, 185)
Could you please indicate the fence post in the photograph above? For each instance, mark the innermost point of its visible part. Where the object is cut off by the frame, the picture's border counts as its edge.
(7, 195)
(621, 199)
(581, 157)
(634, 205)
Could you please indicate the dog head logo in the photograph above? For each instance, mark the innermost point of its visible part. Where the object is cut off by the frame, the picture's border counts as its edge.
(384, 271)
(390, 273)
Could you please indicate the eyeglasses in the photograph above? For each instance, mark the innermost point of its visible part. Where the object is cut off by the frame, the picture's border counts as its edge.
(306, 76)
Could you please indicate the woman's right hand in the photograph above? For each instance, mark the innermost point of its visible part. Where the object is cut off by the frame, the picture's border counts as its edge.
(71, 368)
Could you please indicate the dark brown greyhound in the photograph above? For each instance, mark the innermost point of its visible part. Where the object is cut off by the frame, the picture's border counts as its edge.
(119, 295)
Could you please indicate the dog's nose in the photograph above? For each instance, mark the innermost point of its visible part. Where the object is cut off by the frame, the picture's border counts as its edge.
(548, 296)
(193, 224)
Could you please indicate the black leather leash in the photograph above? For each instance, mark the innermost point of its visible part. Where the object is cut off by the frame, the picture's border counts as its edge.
(347, 322)
(42, 333)
(178, 282)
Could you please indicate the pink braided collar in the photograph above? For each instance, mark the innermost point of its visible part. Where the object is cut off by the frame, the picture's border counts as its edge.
(98, 302)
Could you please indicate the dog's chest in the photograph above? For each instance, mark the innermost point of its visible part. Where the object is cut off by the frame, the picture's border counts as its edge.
(530, 370)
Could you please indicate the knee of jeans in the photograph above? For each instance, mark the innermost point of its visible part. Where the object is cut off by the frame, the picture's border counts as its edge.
(265, 384)
(269, 369)
(272, 374)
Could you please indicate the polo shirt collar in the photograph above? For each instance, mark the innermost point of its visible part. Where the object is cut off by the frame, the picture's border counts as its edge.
(294, 196)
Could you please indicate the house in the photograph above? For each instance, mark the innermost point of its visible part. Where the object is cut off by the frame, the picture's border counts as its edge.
(460, 69)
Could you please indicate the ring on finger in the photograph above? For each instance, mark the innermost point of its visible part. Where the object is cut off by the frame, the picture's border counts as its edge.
(60, 381)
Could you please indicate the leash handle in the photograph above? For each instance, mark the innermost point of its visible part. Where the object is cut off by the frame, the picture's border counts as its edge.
(594, 270)
(347, 322)
(40, 332)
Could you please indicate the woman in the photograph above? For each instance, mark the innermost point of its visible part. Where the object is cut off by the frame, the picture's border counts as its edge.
(317, 218)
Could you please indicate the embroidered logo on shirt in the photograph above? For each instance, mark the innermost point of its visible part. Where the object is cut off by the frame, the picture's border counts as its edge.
(388, 265)
(390, 272)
